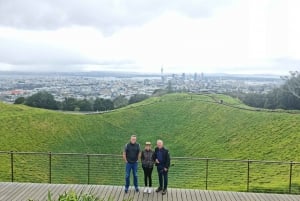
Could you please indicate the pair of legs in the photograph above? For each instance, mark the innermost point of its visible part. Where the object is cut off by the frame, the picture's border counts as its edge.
(133, 167)
(163, 178)
(148, 176)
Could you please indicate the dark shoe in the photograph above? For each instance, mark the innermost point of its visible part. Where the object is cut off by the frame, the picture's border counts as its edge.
(137, 190)
(158, 189)
(164, 191)
(126, 190)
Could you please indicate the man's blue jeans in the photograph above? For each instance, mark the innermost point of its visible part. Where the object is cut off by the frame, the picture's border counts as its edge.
(134, 168)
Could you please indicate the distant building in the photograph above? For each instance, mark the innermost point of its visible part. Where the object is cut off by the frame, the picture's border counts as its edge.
(183, 76)
(195, 77)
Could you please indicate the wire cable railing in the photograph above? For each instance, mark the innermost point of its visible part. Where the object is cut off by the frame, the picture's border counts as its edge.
(185, 172)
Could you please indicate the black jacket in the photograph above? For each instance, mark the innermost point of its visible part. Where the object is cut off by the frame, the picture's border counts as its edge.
(132, 152)
(165, 155)
(147, 158)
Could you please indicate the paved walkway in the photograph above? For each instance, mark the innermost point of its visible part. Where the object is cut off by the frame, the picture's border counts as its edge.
(39, 192)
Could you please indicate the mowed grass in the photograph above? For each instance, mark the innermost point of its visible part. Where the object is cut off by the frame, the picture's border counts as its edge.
(190, 125)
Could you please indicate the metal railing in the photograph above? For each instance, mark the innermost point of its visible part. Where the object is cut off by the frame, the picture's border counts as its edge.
(185, 172)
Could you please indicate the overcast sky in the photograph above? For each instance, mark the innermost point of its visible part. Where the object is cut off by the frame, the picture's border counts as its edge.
(211, 36)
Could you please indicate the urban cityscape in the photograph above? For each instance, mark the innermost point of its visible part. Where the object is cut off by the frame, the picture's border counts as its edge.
(109, 85)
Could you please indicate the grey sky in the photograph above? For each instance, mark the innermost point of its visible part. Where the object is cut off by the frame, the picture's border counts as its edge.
(250, 36)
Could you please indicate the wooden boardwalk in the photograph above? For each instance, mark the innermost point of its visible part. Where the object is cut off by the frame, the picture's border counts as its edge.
(38, 192)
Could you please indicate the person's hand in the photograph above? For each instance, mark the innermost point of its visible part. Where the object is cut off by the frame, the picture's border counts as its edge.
(165, 169)
(157, 161)
(125, 161)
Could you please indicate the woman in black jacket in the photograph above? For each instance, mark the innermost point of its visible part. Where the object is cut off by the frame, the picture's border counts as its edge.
(147, 164)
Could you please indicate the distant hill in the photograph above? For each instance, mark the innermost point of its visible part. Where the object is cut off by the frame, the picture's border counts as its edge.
(190, 125)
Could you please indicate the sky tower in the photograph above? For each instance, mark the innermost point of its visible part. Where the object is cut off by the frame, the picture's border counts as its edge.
(162, 73)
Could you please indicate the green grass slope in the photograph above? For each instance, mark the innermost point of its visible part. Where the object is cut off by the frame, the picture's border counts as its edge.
(196, 126)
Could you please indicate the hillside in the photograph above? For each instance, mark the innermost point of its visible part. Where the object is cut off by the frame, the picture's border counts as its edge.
(197, 126)
(190, 127)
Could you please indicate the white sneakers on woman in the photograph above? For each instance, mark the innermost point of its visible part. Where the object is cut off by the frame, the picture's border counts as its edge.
(147, 190)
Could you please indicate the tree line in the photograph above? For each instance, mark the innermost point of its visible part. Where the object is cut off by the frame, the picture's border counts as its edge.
(46, 100)
(286, 97)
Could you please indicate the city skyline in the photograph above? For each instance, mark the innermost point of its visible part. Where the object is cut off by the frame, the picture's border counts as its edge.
(228, 36)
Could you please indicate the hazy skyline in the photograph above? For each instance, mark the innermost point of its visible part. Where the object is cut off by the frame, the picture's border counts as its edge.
(213, 36)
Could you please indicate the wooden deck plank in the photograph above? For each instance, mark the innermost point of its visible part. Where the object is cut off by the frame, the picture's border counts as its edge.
(41, 190)
(200, 195)
(215, 196)
(171, 196)
(234, 196)
(192, 195)
(179, 195)
(22, 190)
(207, 196)
(227, 196)
(121, 193)
(26, 191)
(4, 187)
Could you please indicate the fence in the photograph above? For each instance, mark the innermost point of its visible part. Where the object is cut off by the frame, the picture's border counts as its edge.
(185, 172)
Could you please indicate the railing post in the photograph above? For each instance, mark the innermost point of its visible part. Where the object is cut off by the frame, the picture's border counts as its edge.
(248, 175)
(89, 162)
(50, 167)
(206, 176)
(291, 175)
(12, 165)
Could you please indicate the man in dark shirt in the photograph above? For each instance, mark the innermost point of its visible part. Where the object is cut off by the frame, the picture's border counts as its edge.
(162, 159)
(131, 156)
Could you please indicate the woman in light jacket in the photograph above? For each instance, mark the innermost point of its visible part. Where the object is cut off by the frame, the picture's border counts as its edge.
(147, 164)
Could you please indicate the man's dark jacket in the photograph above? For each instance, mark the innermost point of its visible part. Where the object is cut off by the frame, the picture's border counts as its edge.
(165, 156)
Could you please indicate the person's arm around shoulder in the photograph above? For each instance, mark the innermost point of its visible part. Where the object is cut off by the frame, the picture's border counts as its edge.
(155, 157)
(152, 155)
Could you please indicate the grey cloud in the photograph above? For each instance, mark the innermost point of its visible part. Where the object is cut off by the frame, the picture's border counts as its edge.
(106, 15)
(27, 55)
(17, 52)
(288, 63)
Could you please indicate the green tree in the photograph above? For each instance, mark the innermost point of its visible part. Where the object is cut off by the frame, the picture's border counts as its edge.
(20, 100)
(70, 104)
(137, 98)
(108, 104)
(85, 105)
(292, 83)
(120, 101)
(101, 104)
(42, 99)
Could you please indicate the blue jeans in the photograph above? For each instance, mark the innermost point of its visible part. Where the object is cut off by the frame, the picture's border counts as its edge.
(133, 167)
(162, 177)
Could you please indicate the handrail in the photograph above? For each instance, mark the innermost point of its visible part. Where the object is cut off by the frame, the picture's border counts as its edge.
(178, 157)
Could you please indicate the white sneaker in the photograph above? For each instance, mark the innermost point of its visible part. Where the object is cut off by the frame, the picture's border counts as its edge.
(145, 190)
(149, 190)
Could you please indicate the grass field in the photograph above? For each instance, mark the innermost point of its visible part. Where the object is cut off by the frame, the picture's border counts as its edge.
(190, 125)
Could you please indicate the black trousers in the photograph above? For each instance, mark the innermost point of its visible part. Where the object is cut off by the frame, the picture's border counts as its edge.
(148, 176)
(163, 178)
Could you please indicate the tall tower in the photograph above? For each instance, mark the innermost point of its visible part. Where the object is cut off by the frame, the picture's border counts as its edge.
(162, 73)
